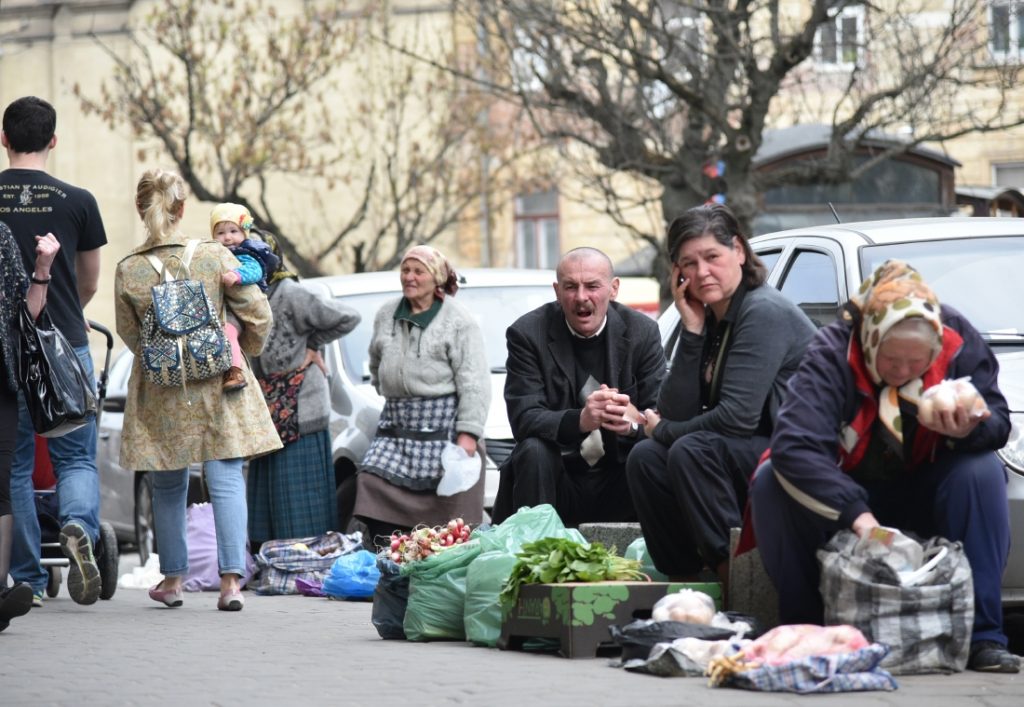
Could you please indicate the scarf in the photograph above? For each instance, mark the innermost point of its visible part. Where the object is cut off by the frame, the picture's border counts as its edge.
(894, 293)
(446, 282)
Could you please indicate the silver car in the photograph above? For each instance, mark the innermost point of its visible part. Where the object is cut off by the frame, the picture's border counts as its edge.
(974, 264)
(496, 298)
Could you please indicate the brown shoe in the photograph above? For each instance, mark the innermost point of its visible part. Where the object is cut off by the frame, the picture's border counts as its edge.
(233, 379)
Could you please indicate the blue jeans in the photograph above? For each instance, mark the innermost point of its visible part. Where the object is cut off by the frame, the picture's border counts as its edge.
(230, 516)
(78, 486)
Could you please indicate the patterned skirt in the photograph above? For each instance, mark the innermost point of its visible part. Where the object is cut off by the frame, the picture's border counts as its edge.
(291, 492)
(411, 434)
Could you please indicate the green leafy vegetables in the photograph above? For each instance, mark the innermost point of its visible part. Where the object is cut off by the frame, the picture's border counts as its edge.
(557, 560)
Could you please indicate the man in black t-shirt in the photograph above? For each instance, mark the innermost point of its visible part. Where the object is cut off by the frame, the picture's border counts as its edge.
(34, 203)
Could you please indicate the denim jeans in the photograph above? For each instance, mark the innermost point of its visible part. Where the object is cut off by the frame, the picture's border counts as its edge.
(78, 486)
(230, 516)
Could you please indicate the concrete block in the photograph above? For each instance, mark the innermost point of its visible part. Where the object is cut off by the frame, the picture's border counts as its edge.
(750, 590)
(608, 534)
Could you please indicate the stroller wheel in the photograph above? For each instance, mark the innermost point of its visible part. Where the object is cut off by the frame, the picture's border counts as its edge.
(53, 582)
(108, 559)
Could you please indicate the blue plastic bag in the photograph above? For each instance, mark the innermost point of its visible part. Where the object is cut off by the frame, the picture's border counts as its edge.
(352, 576)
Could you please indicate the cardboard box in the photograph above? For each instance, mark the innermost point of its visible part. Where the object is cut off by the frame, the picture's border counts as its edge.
(578, 614)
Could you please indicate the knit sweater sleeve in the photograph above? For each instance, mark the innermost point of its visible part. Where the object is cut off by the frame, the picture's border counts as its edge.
(472, 374)
(321, 320)
(249, 269)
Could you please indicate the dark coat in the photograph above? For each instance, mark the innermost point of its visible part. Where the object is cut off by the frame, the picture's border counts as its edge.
(540, 387)
(823, 397)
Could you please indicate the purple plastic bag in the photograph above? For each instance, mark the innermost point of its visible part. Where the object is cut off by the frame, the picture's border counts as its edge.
(309, 588)
(203, 571)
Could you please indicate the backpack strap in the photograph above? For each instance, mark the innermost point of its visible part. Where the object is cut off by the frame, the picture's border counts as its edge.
(183, 260)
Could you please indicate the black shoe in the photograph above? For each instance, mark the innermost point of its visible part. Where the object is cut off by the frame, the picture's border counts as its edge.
(990, 657)
(83, 575)
(15, 602)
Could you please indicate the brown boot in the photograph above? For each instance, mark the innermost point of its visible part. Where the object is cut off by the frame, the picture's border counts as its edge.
(233, 379)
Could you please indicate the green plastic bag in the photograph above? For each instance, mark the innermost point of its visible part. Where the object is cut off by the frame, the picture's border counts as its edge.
(526, 525)
(637, 550)
(491, 569)
(437, 594)
(487, 575)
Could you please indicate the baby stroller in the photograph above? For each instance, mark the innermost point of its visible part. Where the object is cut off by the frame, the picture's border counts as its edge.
(47, 509)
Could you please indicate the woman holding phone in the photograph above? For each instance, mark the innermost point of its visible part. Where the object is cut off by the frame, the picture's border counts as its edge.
(739, 341)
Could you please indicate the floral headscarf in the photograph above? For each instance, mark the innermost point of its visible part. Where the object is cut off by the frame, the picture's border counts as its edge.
(893, 294)
(233, 213)
(445, 279)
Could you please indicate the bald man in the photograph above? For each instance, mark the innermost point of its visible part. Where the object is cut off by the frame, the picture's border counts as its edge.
(578, 371)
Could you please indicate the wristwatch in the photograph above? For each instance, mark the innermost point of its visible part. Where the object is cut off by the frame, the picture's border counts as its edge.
(39, 280)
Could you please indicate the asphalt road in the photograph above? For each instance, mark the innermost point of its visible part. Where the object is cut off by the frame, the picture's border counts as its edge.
(296, 650)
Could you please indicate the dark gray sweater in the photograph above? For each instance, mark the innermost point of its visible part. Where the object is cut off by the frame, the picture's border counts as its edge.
(303, 320)
(768, 337)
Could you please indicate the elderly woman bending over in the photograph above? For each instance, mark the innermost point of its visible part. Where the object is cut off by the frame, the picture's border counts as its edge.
(853, 449)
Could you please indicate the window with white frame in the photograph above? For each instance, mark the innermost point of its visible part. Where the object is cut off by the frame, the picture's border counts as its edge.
(840, 40)
(536, 229)
(1006, 29)
(1008, 174)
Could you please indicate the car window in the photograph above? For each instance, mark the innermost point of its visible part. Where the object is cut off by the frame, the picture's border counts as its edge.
(494, 308)
(980, 277)
(770, 258)
(810, 283)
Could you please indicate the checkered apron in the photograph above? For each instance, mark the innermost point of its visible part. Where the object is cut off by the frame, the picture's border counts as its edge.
(411, 434)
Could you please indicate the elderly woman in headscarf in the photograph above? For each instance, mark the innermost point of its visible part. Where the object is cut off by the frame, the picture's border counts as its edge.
(853, 449)
(427, 359)
(291, 493)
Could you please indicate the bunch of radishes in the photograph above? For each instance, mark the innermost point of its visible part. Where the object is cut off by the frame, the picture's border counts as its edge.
(424, 541)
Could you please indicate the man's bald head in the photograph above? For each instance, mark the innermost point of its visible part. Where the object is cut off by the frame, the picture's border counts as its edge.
(583, 253)
(584, 289)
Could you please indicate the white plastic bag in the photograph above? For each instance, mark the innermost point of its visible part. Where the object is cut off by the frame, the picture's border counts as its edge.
(461, 471)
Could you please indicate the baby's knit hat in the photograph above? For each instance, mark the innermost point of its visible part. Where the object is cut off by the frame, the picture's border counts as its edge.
(235, 213)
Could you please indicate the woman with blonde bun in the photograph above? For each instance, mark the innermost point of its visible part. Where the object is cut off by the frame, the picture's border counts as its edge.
(168, 428)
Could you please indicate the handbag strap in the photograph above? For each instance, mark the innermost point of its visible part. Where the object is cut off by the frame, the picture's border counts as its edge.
(183, 261)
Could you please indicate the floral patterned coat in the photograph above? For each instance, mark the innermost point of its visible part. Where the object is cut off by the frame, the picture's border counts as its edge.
(169, 428)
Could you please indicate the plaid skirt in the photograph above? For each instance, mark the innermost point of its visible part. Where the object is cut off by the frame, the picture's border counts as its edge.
(291, 492)
(411, 434)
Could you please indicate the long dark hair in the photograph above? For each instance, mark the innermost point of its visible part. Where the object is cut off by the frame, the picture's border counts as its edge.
(718, 221)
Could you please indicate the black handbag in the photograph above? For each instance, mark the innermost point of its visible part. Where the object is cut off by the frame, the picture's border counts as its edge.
(58, 392)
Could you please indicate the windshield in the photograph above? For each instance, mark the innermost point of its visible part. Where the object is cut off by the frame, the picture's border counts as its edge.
(982, 278)
(494, 308)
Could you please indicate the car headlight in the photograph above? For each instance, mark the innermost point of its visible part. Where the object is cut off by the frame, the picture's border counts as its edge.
(1013, 453)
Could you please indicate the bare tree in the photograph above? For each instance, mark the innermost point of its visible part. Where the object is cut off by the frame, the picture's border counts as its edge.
(660, 88)
(440, 144)
(248, 99)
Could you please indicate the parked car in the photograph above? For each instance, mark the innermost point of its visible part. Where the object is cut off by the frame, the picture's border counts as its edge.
(973, 264)
(496, 297)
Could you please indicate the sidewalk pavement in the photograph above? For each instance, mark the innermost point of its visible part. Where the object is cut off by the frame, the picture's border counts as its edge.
(300, 650)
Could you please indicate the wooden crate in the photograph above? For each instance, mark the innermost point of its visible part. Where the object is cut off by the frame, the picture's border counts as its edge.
(578, 614)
